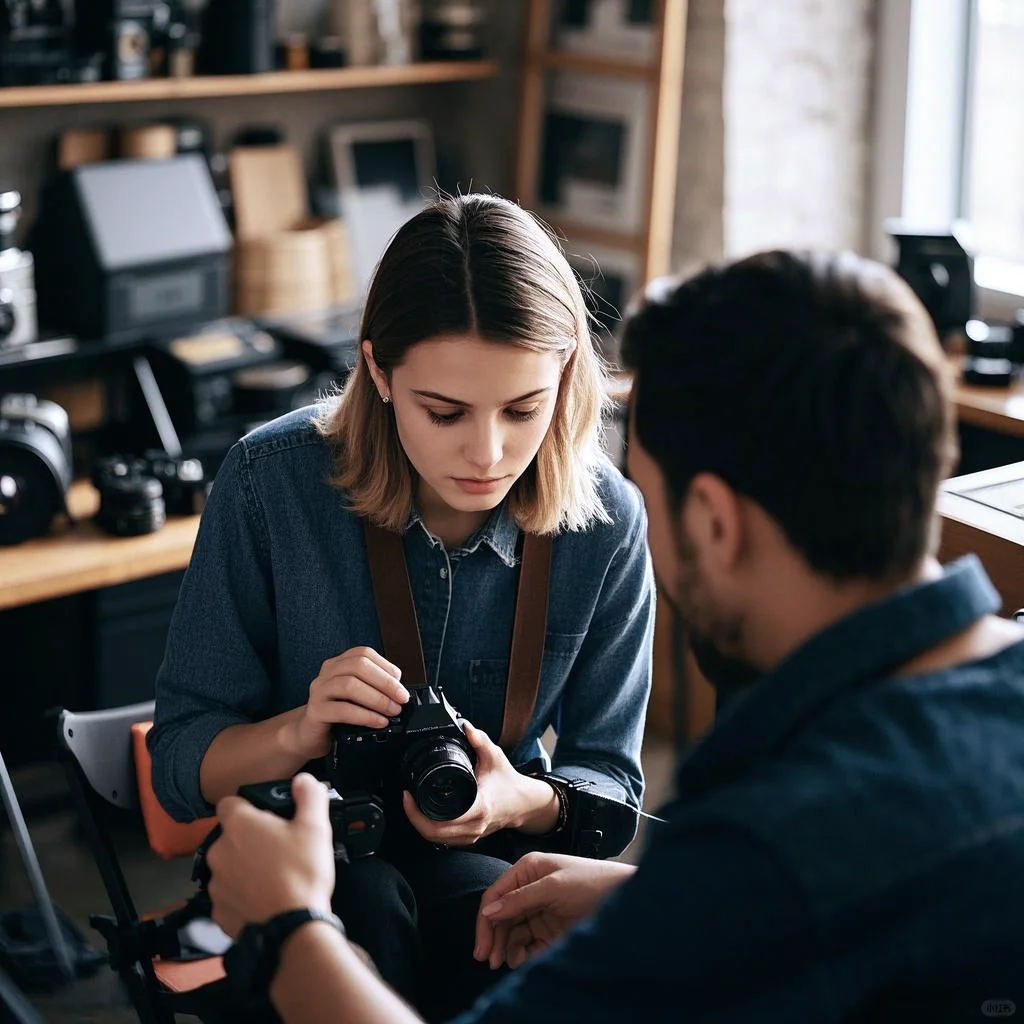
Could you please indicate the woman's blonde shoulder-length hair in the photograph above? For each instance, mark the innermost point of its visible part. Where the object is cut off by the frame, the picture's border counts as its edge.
(480, 265)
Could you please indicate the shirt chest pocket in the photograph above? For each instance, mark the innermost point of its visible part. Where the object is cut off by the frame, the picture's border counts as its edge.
(487, 678)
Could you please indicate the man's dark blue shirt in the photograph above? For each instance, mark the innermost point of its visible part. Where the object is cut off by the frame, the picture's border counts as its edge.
(846, 844)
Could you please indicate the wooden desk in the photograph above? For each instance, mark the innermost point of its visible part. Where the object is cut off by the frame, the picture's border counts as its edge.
(994, 535)
(83, 557)
(997, 409)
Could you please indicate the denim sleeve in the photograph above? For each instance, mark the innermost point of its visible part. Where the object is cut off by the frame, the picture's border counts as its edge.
(711, 927)
(599, 722)
(221, 642)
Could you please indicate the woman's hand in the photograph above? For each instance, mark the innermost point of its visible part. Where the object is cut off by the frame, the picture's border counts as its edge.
(359, 687)
(504, 799)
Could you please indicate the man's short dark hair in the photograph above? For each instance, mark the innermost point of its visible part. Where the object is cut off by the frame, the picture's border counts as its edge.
(813, 384)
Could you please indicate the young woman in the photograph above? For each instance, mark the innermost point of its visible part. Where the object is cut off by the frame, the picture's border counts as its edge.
(472, 419)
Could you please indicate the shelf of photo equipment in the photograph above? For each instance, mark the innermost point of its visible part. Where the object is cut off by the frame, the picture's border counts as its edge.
(59, 52)
(202, 87)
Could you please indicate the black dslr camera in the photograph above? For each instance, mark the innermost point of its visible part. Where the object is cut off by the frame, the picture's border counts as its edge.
(423, 749)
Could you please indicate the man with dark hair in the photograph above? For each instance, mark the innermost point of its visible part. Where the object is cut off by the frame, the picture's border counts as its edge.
(847, 844)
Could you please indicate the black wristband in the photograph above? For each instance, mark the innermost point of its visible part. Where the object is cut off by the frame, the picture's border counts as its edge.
(252, 961)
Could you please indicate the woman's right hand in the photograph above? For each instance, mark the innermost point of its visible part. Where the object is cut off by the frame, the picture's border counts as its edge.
(358, 687)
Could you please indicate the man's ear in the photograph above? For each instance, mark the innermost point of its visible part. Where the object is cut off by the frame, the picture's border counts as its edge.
(376, 373)
(714, 520)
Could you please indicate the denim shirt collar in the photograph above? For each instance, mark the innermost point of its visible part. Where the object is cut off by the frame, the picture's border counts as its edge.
(500, 533)
(860, 649)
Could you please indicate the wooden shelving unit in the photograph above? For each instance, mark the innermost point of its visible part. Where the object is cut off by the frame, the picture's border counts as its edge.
(664, 76)
(553, 61)
(274, 82)
(681, 702)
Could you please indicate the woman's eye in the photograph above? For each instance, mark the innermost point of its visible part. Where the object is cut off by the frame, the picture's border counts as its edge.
(443, 418)
(522, 415)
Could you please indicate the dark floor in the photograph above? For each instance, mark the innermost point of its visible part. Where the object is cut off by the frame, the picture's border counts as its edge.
(75, 885)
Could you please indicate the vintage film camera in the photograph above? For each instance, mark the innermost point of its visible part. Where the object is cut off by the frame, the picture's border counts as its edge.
(423, 750)
(137, 493)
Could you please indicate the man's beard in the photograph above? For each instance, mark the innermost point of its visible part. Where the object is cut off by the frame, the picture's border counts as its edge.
(707, 631)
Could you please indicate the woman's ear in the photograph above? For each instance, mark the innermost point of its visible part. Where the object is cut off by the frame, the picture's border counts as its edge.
(380, 381)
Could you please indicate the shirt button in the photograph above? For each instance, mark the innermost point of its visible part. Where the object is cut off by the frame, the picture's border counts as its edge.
(444, 574)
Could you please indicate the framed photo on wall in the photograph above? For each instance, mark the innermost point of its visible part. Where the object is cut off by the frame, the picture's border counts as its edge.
(384, 171)
(623, 29)
(593, 158)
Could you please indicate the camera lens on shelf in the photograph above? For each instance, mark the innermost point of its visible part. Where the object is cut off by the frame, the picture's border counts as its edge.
(131, 505)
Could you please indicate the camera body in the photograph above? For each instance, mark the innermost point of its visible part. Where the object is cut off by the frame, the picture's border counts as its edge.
(357, 822)
(138, 492)
(35, 466)
(423, 749)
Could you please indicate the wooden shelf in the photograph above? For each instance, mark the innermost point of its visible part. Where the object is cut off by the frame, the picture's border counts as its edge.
(560, 60)
(83, 557)
(585, 235)
(321, 80)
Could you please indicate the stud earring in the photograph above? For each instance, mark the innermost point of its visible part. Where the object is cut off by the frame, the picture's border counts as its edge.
(386, 399)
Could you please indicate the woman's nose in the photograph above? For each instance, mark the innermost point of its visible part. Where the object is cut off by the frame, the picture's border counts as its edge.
(485, 448)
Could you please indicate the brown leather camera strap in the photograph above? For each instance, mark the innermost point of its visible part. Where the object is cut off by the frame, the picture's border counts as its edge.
(396, 615)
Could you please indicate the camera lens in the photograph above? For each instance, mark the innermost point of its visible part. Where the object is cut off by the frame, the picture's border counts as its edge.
(440, 778)
(131, 505)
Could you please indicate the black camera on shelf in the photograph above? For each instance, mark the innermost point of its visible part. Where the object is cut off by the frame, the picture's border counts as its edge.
(137, 493)
(357, 822)
(423, 750)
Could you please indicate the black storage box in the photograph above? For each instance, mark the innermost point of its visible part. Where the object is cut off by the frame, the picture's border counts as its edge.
(131, 249)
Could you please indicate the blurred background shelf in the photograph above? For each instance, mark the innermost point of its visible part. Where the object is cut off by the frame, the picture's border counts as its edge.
(274, 82)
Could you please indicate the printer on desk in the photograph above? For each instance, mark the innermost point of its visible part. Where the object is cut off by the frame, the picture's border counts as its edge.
(128, 248)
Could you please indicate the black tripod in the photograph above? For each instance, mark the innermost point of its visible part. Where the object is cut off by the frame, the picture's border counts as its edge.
(12, 1001)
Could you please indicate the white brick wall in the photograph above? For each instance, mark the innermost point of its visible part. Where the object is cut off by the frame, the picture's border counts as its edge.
(797, 86)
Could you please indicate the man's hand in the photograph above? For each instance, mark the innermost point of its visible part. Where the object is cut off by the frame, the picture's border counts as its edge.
(263, 865)
(538, 900)
(505, 798)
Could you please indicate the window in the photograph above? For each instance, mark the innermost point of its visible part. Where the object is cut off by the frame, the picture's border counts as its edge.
(949, 135)
(993, 152)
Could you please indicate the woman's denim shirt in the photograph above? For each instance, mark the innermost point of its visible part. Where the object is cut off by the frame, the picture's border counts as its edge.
(279, 582)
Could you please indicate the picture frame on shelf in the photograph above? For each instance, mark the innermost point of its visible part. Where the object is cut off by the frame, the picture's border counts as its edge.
(593, 159)
(615, 29)
(384, 173)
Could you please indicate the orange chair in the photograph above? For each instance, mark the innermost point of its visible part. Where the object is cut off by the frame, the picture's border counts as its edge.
(107, 764)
